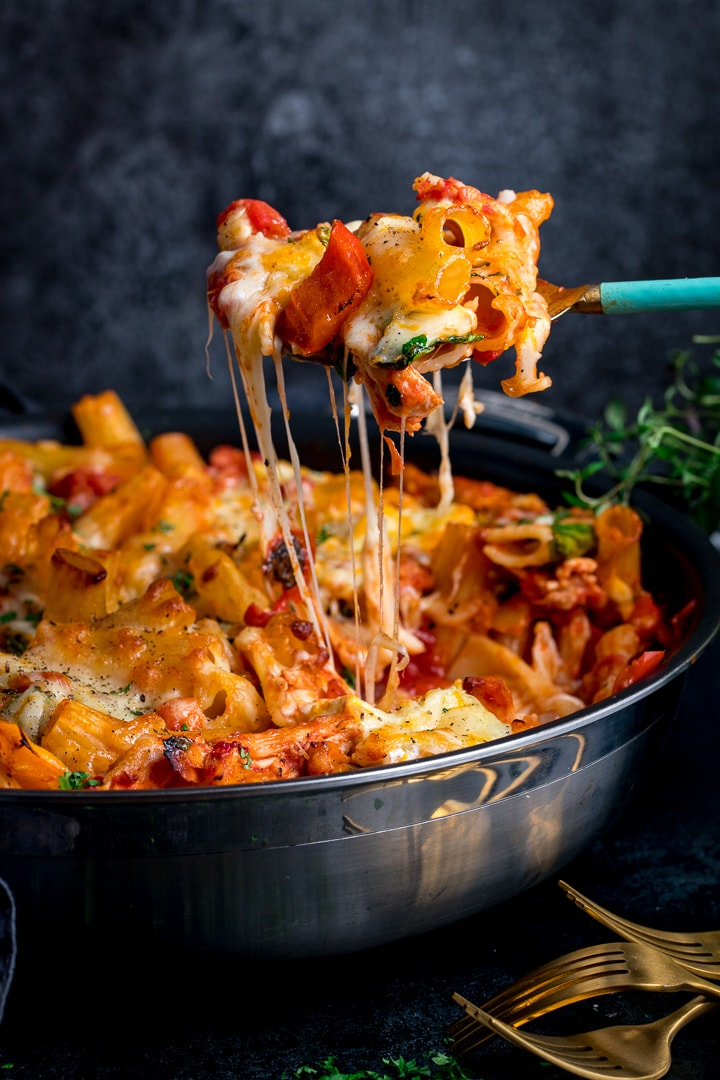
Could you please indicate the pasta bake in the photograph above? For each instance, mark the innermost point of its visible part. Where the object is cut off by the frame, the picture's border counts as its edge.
(159, 629)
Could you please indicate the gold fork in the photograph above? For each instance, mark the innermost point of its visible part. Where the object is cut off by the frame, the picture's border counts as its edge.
(628, 1052)
(698, 953)
(576, 976)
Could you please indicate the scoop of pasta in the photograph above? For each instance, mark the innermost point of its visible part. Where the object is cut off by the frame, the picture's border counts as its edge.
(392, 298)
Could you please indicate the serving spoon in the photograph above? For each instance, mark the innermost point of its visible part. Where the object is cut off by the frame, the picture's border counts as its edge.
(626, 297)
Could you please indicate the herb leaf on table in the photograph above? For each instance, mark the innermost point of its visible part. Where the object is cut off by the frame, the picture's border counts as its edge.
(439, 1066)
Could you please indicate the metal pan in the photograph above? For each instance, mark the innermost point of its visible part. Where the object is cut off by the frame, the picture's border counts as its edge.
(340, 863)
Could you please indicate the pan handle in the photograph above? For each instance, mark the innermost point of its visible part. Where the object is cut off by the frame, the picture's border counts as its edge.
(14, 403)
(523, 423)
(526, 421)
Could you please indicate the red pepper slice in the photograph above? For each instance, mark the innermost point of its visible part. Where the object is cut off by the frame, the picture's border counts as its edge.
(257, 616)
(639, 668)
(486, 356)
(261, 216)
(83, 486)
(321, 303)
(424, 671)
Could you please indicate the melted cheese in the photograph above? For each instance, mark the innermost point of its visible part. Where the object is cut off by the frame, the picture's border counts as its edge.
(132, 662)
(415, 292)
(419, 315)
(455, 277)
(184, 652)
(448, 719)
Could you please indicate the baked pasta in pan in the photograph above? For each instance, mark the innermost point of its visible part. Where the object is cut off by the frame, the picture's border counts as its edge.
(156, 632)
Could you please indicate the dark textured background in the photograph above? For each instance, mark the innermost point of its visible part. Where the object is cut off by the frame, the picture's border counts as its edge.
(127, 125)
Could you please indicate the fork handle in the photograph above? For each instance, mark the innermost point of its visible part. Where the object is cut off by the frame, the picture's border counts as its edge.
(671, 294)
(682, 1016)
(695, 1007)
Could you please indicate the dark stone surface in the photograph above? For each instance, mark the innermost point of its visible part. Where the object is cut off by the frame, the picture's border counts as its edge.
(126, 126)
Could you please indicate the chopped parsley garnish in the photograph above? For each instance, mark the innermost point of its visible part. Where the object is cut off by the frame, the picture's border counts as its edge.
(62, 506)
(184, 582)
(75, 781)
(8, 617)
(437, 1066)
(122, 690)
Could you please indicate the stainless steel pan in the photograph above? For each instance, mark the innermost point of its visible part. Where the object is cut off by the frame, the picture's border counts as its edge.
(337, 864)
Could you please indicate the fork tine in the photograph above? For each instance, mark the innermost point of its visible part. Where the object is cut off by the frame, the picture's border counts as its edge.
(552, 1050)
(687, 949)
(616, 922)
(549, 982)
(556, 1049)
(600, 969)
(607, 918)
(629, 1052)
(567, 968)
(469, 1036)
(574, 977)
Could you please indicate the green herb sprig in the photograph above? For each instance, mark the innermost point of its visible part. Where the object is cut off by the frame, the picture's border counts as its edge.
(675, 445)
(437, 1066)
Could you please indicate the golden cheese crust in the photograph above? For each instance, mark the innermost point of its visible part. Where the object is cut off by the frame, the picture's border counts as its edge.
(153, 632)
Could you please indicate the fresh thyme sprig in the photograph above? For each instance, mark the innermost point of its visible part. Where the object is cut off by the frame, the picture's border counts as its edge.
(676, 445)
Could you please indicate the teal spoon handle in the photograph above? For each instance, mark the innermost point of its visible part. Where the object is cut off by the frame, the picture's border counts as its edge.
(673, 294)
